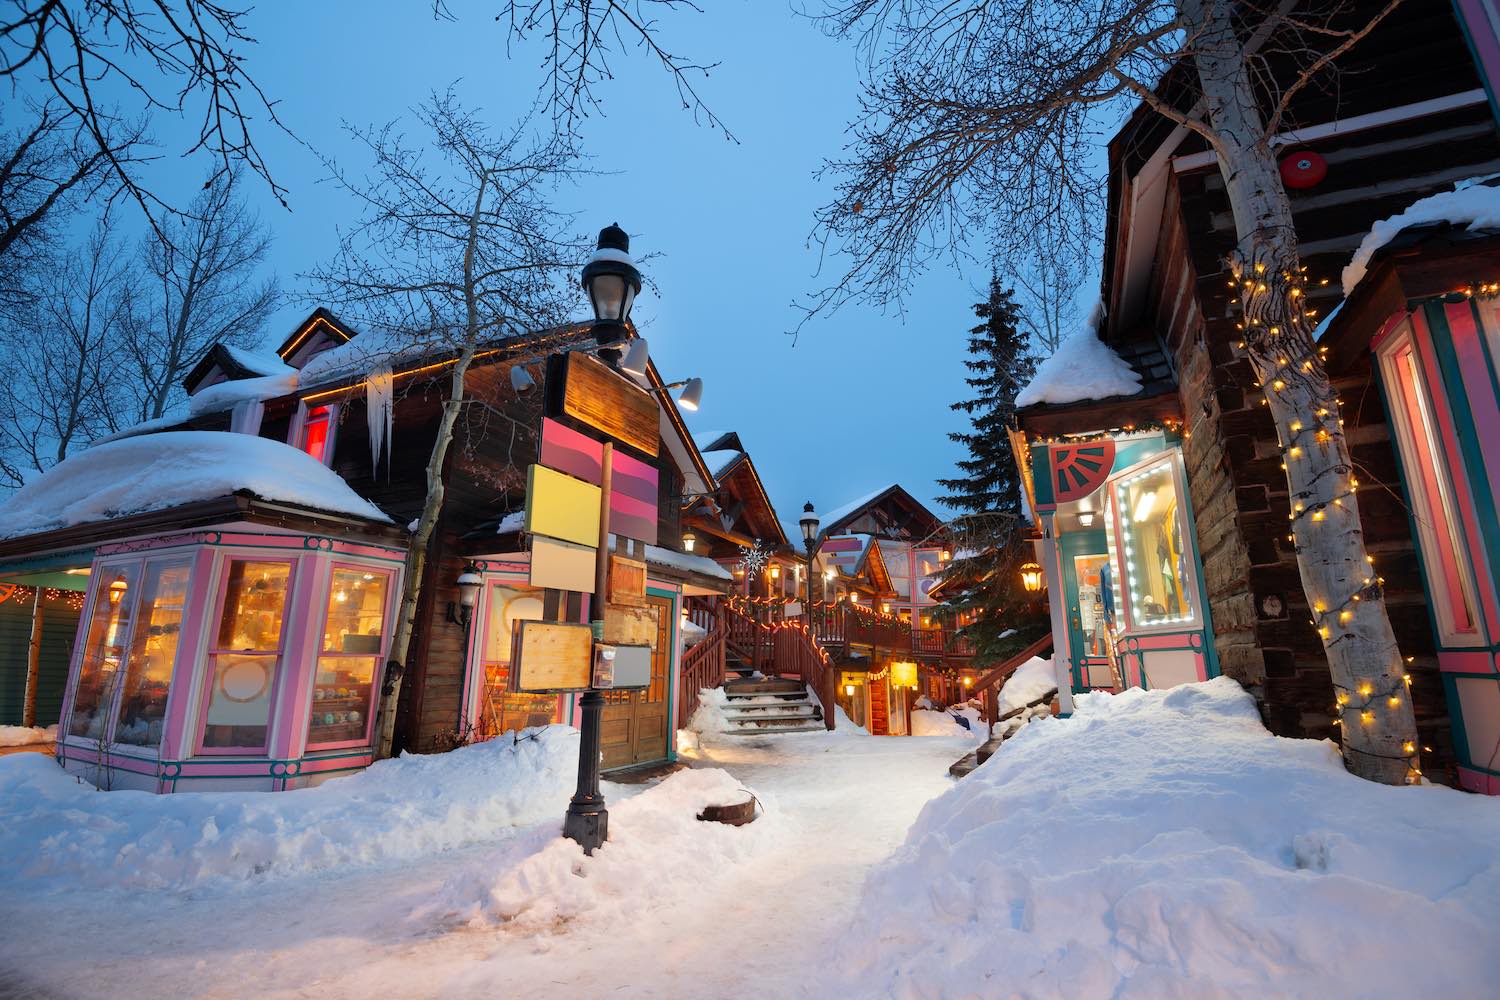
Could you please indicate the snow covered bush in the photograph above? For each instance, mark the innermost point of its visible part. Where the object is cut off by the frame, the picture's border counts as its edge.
(1163, 844)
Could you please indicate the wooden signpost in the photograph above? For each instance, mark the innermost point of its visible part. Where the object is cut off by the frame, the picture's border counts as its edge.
(602, 399)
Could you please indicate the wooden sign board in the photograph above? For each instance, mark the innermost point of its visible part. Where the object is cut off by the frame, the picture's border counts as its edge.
(622, 667)
(627, 581)
(560, 506)
(562, 565)
(551, 656)
(605, 400)
(627, 626)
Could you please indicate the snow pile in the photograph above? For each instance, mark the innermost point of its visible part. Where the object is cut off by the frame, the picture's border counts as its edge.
(1081, 368)
(1471, 207)
(1163, 844)
(658, 851)
(62, 832)
(927, 722)
(1032, 680)
(227, 395)
(692, 632)
(709, 716)
(25, 736)
(157, 471)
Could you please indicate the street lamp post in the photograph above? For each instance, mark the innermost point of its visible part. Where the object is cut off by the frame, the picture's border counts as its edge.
(809, 522)
(612, 282)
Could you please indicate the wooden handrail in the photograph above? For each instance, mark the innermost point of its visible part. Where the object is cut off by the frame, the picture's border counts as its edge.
(987, 686)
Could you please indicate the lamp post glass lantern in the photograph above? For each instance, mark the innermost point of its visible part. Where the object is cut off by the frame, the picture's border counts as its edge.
(612, 282)
(468, 584)
(1031, 577)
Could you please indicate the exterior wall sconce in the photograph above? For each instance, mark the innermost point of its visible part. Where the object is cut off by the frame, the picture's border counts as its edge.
(1031, 577)
(688, 541)
(468, 583)
(849, 690)
(775, 571)
(1086, 518)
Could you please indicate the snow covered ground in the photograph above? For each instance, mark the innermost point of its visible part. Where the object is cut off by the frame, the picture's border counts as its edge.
(1154, 845)
(466, 892)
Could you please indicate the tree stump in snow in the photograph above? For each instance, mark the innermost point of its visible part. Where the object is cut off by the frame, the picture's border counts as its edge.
(737, 814)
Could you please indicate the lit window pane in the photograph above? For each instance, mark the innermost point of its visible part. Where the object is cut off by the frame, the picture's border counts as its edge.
(1156, 572)
(356, 612)
(153, 652)
(239, 701)
(341, 699)
(254, 605)
(103, 651)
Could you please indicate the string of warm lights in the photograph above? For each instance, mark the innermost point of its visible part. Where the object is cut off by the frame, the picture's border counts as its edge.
(1276, 326)
(22, 593)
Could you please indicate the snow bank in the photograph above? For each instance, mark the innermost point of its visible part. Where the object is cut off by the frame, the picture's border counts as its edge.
(709, 716)
(926, 722)
(67, 834)
(1032, 680)
(1476, 206)
(1081, 368)
(157, 471)
(658, 851)
(25, 736)
(226, 395)
(686, 561)
(1163, 844)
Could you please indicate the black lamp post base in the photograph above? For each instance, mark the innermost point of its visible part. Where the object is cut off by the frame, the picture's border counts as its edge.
(587, 824)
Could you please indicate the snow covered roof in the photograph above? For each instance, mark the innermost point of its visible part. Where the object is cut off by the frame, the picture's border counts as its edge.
(839, 513)
(1474, 207)
(226, 395)
(1083, 367)
(687, 561)
(255, 361)
(158, 471)
(718, 462)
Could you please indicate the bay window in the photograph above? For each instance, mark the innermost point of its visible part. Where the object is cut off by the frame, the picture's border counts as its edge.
(349, 659)
(103, 651)
(1157, 572)
(245, 655)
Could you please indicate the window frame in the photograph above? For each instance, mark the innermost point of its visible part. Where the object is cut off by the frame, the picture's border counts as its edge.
(1125, 611)
(295, 434)
(1440, 563)
(319, 622)
(210, 651)
(99, 571)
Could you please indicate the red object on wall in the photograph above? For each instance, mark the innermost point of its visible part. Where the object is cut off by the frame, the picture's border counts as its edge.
(1303, 169)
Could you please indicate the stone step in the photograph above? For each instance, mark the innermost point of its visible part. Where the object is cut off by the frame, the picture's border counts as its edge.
(772, 730)
(965, 764)
(763, 697)
(768, 685)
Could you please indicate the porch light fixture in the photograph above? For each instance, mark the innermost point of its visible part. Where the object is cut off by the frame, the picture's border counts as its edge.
(775, 571)
(612, 283)
(688, 540)
(520, 379)
(849, 690)
(691, 396)
(636, 357)
(1086, 518)
(468, 583)
(968, 681)
(1031, 577)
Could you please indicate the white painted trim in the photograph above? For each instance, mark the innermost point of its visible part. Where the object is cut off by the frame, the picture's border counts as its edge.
(1346, 126)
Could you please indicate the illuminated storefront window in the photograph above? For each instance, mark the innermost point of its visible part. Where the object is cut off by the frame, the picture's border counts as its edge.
(1157, 570)
(246, 654)
(349, 660)
(499, 710)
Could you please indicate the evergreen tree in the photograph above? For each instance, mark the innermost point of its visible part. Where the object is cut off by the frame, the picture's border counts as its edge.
(983, 578)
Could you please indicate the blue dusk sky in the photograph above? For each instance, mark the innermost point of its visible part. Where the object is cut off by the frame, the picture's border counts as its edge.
(860, 400)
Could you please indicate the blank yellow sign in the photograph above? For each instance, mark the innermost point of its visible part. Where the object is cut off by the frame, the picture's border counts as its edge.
(560, 506)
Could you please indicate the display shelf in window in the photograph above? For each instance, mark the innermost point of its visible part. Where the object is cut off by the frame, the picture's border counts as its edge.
(353, 641)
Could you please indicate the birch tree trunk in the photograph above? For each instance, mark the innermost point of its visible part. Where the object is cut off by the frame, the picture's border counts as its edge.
(432, 506)
(1343, 590)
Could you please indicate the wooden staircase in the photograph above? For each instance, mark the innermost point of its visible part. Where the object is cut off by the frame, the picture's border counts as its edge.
(775, 675)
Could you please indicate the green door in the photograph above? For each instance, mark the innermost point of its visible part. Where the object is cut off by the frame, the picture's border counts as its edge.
(1084, 554)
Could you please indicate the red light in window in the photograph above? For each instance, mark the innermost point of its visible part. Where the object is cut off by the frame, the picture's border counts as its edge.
(315, 432)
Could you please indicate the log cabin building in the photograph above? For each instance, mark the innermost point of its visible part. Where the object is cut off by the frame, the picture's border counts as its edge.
(237, 567)
(1176, 489)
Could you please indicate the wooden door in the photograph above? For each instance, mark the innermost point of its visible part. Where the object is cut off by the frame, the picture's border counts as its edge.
(635, 728)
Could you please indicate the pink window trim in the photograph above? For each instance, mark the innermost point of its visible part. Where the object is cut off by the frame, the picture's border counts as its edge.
(1404, 360)
(1463, 504)
(388, 616)
(211, 645)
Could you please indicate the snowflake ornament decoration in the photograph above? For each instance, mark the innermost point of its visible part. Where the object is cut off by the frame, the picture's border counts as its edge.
(753, 558)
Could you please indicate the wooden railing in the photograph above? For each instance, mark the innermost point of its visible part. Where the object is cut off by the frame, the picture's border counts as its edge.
(987, 687)
(702, 663)
(780, 648)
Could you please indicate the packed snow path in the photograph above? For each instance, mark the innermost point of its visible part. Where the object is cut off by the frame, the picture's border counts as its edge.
(734, 911)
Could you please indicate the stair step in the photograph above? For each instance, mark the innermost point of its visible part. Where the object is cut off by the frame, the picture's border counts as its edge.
(768, 730)
(763, 697)
(773, 712)
(770, 685)
(964, 765)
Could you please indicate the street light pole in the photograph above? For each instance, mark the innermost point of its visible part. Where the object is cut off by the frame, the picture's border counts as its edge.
(612, 283)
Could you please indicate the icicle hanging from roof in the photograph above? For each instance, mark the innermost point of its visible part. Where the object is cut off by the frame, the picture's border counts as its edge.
(379, 407)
